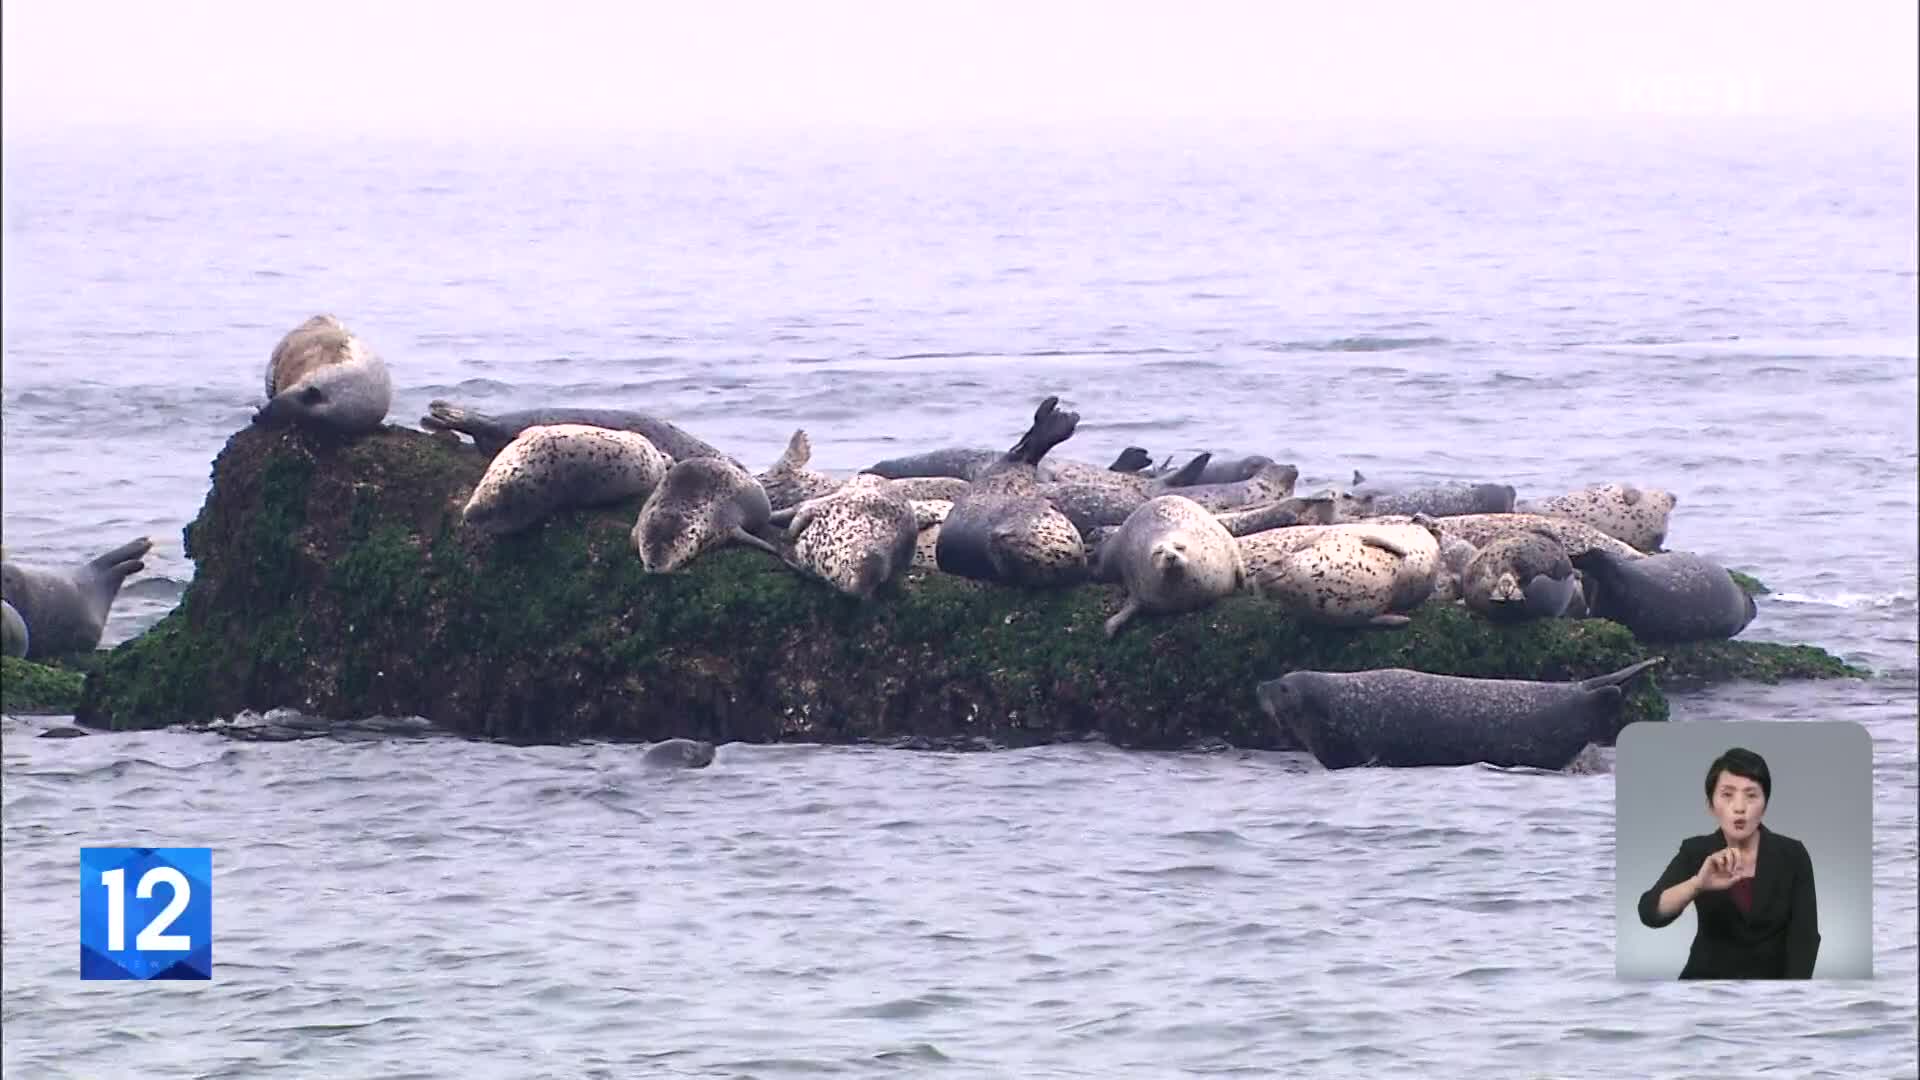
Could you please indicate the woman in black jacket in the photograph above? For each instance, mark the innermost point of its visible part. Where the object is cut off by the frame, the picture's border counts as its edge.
(1751, 887)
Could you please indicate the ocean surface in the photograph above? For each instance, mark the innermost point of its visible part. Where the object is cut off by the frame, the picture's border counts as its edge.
(1724, 311)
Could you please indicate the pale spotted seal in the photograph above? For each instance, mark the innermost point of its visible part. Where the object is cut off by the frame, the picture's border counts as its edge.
(789, 482)
(490, 433)
(678, 754)
(1397, 717)
(65, 611)
(1523, 575)
(1339, 578)
(928, 514)
(1455, 554)
(1003, 530)
(1673, 596)
(1173, 555)
(702, 503)
(1481, 530)
(322, 375)
(1270, 517)
(1634, 516)
(857, 538)
(551, 468)
(13, 632)
(1445, 499)
(1414, 577)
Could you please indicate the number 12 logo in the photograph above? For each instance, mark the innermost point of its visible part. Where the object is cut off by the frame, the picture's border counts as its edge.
(165, 894)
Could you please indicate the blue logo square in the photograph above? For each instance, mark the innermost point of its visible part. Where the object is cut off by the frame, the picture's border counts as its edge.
(146, 913)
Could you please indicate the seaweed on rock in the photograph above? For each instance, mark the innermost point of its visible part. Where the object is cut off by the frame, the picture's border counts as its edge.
(334, 577)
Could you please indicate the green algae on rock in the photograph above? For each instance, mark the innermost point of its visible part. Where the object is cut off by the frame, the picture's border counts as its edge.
(334, 578)
(28, 688)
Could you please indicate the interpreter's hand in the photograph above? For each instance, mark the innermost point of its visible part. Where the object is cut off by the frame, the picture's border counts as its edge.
(1722, 869)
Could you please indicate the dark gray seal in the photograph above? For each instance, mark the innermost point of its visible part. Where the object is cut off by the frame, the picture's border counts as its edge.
(491, 433)
(1003, 530)
(1096, 500)
(1397, 717)
(1217, 470)
(321, 375)
(699, 505)
(1673, 596)
(678, 754)
(65, 611)
(970, 463)
(1447, 499)
(1519, 576)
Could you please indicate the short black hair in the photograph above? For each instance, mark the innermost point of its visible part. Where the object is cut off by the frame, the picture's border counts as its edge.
(1743, 763)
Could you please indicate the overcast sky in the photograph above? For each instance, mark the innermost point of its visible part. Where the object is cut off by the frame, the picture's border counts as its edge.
(474, 67)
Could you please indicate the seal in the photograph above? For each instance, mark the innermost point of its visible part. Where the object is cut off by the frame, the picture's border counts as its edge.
(13, 632)
(1338, 578)
(1003, 530)
(1173, 555)
(789, 482)
(1131, 462)
(857, 538)
(1447, 499)
(323, 376)
(1103, 498)
(931, 487)
(1270, 517)
(702, 503)
(555, 467)
(1455, 554)
(1634, 516)
(1524, 575)
(955, 462)
(928, 514)
(1402, 718)
(1414, 577)
(678, 754)
(1482, 529)
(1270, 482)
(491, 433)
(1220, 470)
(65, 612)
(1672, 596)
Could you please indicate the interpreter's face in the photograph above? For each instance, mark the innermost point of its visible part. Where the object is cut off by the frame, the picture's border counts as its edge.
(1737, 804)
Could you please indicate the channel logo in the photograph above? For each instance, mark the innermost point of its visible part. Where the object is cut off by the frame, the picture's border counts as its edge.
(146, 913)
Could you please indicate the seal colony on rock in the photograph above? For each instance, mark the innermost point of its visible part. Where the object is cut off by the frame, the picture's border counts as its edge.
(323, 376)
(62, 612)
(555, 467)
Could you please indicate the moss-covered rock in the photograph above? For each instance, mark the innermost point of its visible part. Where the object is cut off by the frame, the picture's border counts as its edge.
(29, 688)
(335, 578)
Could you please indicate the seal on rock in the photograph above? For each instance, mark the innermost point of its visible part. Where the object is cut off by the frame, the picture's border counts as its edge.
(1455, 555)
(1673, 596)
(789, 482)
(1446, 499)
(678, 754)
(14, 637)
(1219, 470)
(1481, 530)
(1173, 555)
(857, 538)
(928, 514)
(322, 375)
(1339, 578)
(1635, 516)
(65, 612)
(490, 433)
(700, 504)
(1003, 530)
(931, 487)
(1098, 499)
(1414, 577)
(1131, 462)
(1397, 717)
(1524, 575)
(554, 467)
(1270, 482)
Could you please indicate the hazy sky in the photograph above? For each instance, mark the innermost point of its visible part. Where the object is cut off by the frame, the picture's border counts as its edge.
(479, 66)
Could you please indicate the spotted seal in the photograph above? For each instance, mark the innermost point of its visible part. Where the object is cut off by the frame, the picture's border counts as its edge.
(1269, 517)
(65, 611)
(702, 503)
(928, 515)
(678, 754)
(1481, 530)
(1339, 578)
(555, 467)
(1523, 575)
(1270, 482)
(1003, 530)
(789, 482)
(322, 375)
(1096, 500)
(1414, 577)
(1455, 555)
(1397, 717)
(1172, 555)
(1635, 516)
(14, 637)
(857, 538)
(1445, 499)
(491, 433)
(1131, 463)
(1672, 596)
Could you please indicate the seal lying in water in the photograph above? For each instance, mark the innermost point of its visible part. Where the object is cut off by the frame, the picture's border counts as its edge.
(1673, 596)
(678, 754)
(321, 375)
(1446, 499)
(1397, 717)
(551, 468)
(699, 505)
(1173, 556)
(1635, 516)
(65, 611)
(1002, 530)
(1518, 576)
(491, 433)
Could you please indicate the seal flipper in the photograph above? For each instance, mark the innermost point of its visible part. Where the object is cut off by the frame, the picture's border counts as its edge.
(1620, 677)
(1051, 427)
(1383, 544)
(1120, 619)
(1131, 460)
(799, 451)
(1387, 622)
(741, 535)
(1258, 519)
(1189, 474)
(130, 552)
(1549, 598)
